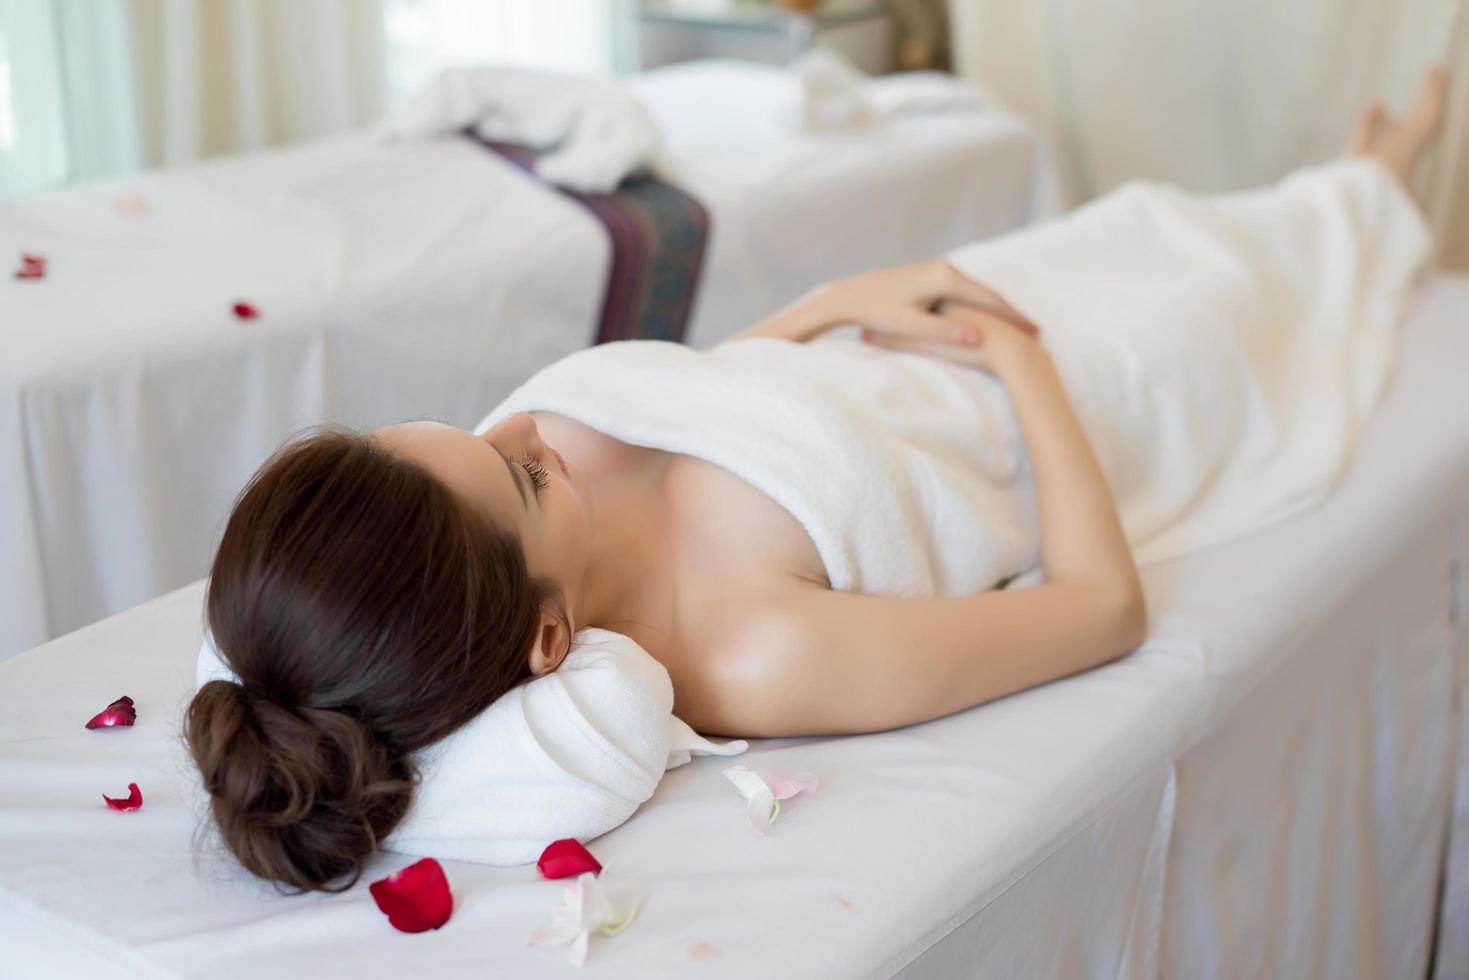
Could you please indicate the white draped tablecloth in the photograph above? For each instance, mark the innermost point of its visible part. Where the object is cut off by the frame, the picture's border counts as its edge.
(391, 282)
(1260, 790)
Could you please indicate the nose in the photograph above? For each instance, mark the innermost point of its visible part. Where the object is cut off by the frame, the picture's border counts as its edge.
(531, 435)
(517, 432)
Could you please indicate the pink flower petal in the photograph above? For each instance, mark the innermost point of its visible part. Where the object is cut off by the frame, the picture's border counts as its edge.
(565, 858)
(118, 714)
(415, 898)
(246, 311)
(133, 802)
(763, 792)
(783, 789)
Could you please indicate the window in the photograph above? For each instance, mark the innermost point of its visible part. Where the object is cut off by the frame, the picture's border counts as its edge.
(33, 143)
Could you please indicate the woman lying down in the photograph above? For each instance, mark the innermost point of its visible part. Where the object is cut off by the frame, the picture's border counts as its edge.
(814, 528)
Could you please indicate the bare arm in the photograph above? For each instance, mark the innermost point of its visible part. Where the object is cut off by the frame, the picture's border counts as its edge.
(813, 661)
(1081, 537)
(819, 662)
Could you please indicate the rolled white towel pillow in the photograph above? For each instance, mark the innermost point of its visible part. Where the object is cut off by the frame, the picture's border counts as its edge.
(573, 753)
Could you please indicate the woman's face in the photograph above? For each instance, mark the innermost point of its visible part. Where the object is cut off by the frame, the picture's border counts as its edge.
(518, 481)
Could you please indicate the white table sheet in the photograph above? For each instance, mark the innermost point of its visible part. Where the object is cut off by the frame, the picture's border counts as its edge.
(1260, 790)
(394, 282)
(413, 280)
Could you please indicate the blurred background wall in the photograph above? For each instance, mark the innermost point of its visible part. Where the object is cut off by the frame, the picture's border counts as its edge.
(1210, 94)
(1219, 94)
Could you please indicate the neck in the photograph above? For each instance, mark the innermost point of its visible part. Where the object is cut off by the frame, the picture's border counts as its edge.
(625, 587)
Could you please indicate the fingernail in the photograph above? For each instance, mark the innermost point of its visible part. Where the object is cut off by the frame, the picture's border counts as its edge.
(970, 337)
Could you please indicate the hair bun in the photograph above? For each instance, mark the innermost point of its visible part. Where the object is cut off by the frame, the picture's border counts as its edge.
(299, 794)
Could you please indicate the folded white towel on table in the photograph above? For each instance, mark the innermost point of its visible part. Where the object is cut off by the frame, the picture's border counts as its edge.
(1221, 353)
(594, 133)
(573, 753)
(835, 94)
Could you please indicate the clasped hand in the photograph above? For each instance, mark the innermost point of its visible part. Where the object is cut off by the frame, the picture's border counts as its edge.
(927, 308)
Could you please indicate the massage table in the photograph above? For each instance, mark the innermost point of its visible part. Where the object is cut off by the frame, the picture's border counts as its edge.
(1262, 789)
(412, 280)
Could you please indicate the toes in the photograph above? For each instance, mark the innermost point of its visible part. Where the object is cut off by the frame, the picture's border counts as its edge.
(1438, 80)
(1427, 114)
(1366, 131)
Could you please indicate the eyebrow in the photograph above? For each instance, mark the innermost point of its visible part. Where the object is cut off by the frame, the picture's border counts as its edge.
(518, 475)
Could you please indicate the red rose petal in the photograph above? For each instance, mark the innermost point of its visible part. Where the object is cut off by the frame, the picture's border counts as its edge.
(415, 898)
(133, 802)
(566, 858)
(118, 714)
(32, 266)
(245, 311)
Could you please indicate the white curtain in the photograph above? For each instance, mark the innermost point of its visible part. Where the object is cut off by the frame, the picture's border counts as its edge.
(95, 88)
(1219, 94)
(216, 76)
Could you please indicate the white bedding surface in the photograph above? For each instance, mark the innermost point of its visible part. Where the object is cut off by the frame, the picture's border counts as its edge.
(1181, 810)
(394, 281)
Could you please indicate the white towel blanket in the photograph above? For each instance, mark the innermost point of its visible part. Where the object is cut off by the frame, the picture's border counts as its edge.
(1221, 353)
(573, 753)
(593, 131)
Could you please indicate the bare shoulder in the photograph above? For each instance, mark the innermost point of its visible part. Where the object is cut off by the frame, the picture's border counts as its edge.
(721, 685)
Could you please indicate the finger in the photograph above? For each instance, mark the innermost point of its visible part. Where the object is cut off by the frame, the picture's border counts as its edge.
(1366, 128)
(910, 322)
(986, 317)
(1006, 315)
(1001, 308)
(955, 285)
(919, 345)
(890, 341)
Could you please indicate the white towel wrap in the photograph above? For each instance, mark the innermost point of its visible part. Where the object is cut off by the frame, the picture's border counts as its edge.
(1221, 353)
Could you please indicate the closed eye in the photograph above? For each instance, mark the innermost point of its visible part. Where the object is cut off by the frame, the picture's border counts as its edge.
(538, 476)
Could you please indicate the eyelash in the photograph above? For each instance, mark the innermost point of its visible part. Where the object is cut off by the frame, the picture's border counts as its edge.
(538, 477)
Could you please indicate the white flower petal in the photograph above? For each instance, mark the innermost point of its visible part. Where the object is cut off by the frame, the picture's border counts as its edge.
(578, 953)
(567, 919)
(747, 781)
(618, 922)
(553, 935)
(784, 788)
(761, 810)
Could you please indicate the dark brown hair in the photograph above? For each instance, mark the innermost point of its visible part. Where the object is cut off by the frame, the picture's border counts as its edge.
(367, 613)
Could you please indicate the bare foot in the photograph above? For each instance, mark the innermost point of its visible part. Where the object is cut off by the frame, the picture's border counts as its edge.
(1400, 143)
